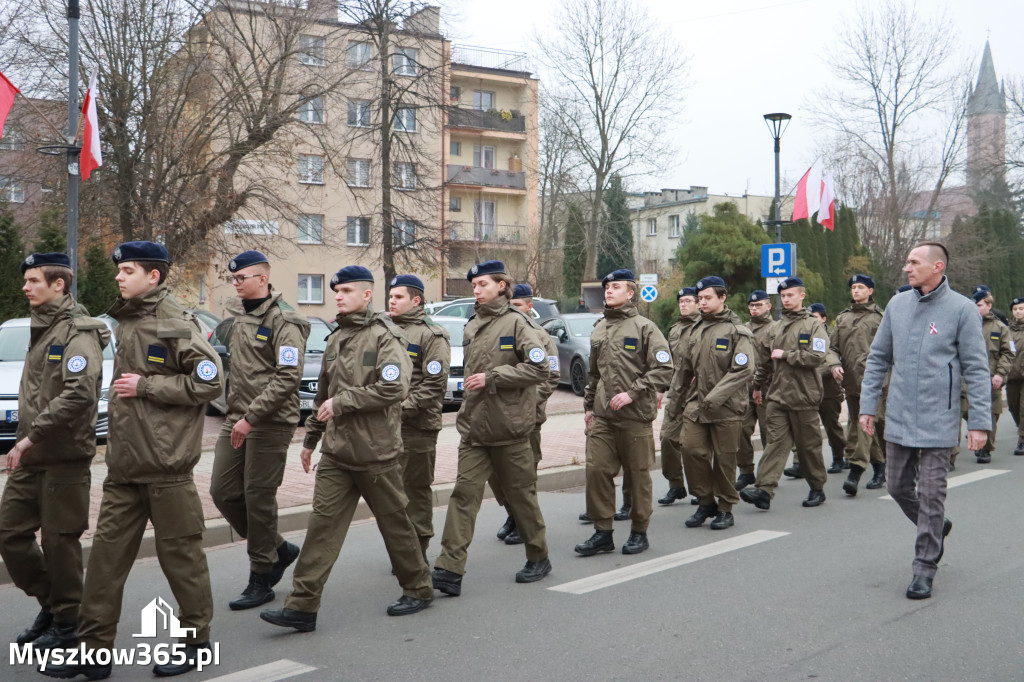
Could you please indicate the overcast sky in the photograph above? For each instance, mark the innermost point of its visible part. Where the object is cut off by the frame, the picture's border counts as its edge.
(736, 76)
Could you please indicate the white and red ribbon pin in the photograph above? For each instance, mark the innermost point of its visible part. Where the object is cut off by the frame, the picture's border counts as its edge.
(933, 328)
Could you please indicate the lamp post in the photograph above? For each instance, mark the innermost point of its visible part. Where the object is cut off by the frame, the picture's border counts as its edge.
(777, 124)
(72, 150)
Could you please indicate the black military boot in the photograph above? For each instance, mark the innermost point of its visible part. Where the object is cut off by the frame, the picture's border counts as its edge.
(287, 553)
(722, 521)
(57, 636)
(636, 543)
(256, 593)
(303, 621)
(447, 582)
(878, 479)
(514, 538)
(1019, 450)
(42, 623)
(703, 513)
(756, 497)
(600, 541)
(672, 495)
(533, 571)
(508, 527)
(743, 480)
(794, 471)
(853, 480)
(407, 605)
(816, 497)
(585, 518)
(171, 668)
(623, 513)
(837, 466)
(984, 456)
(66, 671)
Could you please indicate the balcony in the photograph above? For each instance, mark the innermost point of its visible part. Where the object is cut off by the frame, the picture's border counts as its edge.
(478, 119)
(488, 58)
(487, 233)
(474, 176)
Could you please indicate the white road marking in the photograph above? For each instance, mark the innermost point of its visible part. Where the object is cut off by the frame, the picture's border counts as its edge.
(964, 479)
(689, 556)
(278, 670)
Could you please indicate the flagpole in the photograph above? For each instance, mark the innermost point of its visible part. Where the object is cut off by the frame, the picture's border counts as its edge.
(41, 115)
(74, 13)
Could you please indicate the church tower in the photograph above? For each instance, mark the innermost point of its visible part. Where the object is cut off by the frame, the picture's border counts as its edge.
(986, 129)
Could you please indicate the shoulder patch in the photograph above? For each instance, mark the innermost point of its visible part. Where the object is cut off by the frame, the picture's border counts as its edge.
(741, 359)
(76, 364)
(206, 370)
(390, 372)
(663, 356)
(433, 367)
(537, 354)
(288, 356)
(820, 344)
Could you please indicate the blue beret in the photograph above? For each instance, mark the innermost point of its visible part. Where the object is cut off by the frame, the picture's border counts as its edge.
(1017, 301)
(980, 294)
(904, 287)
(133, 251)
(708, 282)
(622, 275)
(522, 291)
(246, 259)
(686, 291)
(758, 295)
(789, 283)
(861, 279)
(351, 273)
(818, 308)
(981, 287)
(407, 281)
(490, 267)
(36, 260)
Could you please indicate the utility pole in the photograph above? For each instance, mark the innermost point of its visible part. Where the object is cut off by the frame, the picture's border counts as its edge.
(777, 124)
(73, 150)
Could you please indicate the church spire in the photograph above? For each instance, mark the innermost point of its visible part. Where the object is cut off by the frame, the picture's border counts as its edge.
(987, 97)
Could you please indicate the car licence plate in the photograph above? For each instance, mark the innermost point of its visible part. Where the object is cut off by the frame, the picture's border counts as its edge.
(305, 404)
(11, 416)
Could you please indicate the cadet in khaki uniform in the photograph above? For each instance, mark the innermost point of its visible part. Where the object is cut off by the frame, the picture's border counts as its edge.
(48, 468)
(671, 454)
(1000, 360)
(832, 397)
(1015, 379)
(267, 346)
(364, 378)
(505, 364)
(715, 359)
(798, 347)
(522, 299)
(430, 352)
(165, 372)
(630, 364)
(759, 305)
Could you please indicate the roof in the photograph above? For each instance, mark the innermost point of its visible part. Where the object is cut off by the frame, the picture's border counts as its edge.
(987, 97)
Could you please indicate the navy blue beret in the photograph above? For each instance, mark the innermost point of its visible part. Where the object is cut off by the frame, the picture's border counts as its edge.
(790, 282)
(622, 275)
(522, 291)
(686, 291)
(351, 273)
(980, 294)
(36, 260)
(708, 282)
(135, 251)
(758, 295)
(1017, 301)
(246, 259)
(861, 279)
(490, 267)
(407, 281)
(904, 287)
(818, 308)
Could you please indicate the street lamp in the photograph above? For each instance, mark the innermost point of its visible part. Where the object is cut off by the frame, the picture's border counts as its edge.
(777, 124)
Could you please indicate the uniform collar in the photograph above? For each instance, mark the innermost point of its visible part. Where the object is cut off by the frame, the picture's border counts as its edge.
(43, 317)
(1016, 326)
(362, 318)
(622, 312)
(870, 305)
(723, 315)
(138, 305)
(237, 306)
(690, 319)
(492, 308)
(411, 316)
(796, 314)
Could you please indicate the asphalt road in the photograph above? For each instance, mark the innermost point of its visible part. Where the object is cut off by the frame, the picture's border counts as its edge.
(816, 593)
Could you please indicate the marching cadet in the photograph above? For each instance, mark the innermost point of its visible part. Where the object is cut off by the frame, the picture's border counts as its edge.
(851, 340)
(798, 347)
(267, 347)
(715, 359)
(832, 397)
(759, 305)
(671, 455)
(522, 299)
(165, 372)
(48, 476)
(1000, 360)
(363, 380)
(1015, 380)
(430, 352)
(505, 364)
(630, 364)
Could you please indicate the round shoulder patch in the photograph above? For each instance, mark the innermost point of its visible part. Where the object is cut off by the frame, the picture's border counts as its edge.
(741, 359)
(663, 356)
(433, 367)
(207, 369)
(76, 364)
(537, 354)
(390, 372)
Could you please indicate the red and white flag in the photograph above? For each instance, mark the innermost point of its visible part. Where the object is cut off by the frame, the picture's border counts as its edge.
(7, 93)
(91, 158)
(808, 193)
(827, 205)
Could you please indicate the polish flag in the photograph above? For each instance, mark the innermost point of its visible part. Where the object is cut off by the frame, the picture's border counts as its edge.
(91, 157)
(7, 93)
(808, 193)
(827, 207)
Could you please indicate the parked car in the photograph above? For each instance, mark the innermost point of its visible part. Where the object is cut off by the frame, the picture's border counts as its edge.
(433, 308)
(543, 308)
(14, 340)
(572, 338)
(207, 320)
(456, 371)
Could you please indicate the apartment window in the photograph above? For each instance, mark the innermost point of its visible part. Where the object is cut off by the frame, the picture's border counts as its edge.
(311, 289)
(652, 227)
(454, 93)
(455, 204)
(312, 110)
(357, 231)
(311, 50)
(455, 148)
(483, 100)
(311, 169)
(12, 139)
(12, 191)
(405, 119)
(404, 176)
(359, 55)
(264, 228)
(359, 113)
(484, 213)
(483, 156)
(311, 228)
(358, 171)
(673, 226)
(406, 61)
(405, 233)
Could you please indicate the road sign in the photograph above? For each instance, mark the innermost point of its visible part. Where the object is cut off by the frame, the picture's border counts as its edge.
(649, 293)
(772, 284)
(649, 278)
(778, 260)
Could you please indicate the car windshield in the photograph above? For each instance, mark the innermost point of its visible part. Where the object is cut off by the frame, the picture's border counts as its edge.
(454, 330)
(14, 344)
(583, 326)
(317, 340)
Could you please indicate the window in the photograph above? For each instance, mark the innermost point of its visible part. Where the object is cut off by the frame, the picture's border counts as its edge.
(455, 148)
(359, 113)
(405, 119)
(359, 55)
(311, 50)
(483, 157)
(455, 204)
(358, 231)
(652, 227)
(311, 228)
(251, 227)
(406, 61)
(483, 100)
(454, 93)
(483, 219)
(12, 191)
(311, 169)
(673, 226)
(404, 176)
(358, 171)
(312, 110)
(405, 233)
(12, 139)
(311, 289)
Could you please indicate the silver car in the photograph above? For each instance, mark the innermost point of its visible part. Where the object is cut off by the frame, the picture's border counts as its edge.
(456, 371)
(571, 333)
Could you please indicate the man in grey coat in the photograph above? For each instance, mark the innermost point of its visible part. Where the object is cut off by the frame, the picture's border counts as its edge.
(939, 333)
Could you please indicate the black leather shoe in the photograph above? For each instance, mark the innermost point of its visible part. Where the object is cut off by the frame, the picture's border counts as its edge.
(407, 605)
(514, 538)
(816, 497)
(878, 479)
(672, 495)
(533, 571)
(57, 636)
(920, 588)
(853, 480)
(837, 467)
(947, 526)
(190, 662)
(703, 513)
(846, 464)
(67, 671)
(1019, 450)
(984, 456)
(508, 527)
(447, 582)
(756, 497)
(600, 541)
(694, 501)
(287, 553)
(302, 621)
(743, 480)
(623, 513)
(256, 593)
(42, 623)
(585, 518)
(722, 521)
(794, 471)
(636, 543)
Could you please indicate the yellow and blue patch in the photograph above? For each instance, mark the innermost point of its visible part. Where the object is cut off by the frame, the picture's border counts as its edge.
(263, 334)
(507, 343)
(630, 343)
(55, 354)
(157, 355)
(722, 344)
(413, 350)
(804, 339)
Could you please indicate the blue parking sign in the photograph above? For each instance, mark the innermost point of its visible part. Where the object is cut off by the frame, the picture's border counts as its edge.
(649, 293)
(778, 260)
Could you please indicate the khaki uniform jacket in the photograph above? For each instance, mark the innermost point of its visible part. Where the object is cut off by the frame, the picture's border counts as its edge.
(796, 377)
(716, 359)
(268, 351)
(628, 353)
(1016, 344)
(60, 385)
(997, 341)
(760, 326)
(503, 344)
(677, 335)
(430, 352)
(157, 436)
(366, 372)
(851, 340)
(830, 388)
(545, 389)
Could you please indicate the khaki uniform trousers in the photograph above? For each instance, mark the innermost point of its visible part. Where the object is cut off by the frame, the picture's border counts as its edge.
(495, 483)
(176, 511)
(244, 486)
(990, 442)
(755, 416)
(829, 412)
(787, 428)
(861, 449)
(611, 447)
(1014, 397)
(55, 500)
(335, 497)
(419, 454)
(671, 454)
(709, 456)
(517, 472)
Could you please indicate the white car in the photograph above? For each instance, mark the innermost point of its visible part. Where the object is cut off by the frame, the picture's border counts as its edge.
(456, 371)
